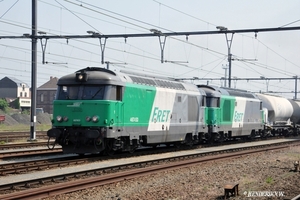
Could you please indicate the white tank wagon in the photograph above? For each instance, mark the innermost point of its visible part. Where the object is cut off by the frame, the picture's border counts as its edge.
(280, 109)
(296, 111)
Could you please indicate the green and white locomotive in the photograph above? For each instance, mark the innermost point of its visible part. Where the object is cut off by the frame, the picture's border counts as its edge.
(99, 110)
(233, 113)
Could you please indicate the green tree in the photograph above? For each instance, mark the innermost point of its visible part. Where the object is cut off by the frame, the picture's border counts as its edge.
(3, 104)
(16, 103)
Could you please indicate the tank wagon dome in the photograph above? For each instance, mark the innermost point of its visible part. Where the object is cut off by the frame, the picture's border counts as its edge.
(279, 108)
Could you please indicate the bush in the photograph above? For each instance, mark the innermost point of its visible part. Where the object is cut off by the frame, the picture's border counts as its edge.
(3, 104)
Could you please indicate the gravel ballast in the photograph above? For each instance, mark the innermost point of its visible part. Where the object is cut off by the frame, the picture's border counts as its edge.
(268, 175)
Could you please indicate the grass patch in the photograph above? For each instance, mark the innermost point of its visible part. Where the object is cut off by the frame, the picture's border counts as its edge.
(269, 180)
(23, 127)
(294, 155)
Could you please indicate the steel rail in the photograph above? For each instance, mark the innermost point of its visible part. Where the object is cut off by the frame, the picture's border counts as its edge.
(22, 145)
(26, 152)
(27, 166)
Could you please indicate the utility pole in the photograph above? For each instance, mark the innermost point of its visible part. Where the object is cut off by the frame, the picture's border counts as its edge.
(33, 71)
(225, 67)
(229, 42)
(296, 78)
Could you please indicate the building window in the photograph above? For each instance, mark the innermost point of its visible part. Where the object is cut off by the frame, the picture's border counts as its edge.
(23, 87)
(42, 97)
(25, 94)
(20, 94)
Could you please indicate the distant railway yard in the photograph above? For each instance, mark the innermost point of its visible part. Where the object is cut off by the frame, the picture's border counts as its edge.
(261, 168)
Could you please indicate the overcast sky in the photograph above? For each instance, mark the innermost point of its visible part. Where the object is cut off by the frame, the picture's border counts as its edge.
(270, 54)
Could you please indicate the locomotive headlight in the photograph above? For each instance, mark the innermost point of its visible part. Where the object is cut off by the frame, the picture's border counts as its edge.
(59, 118)
(95, 119)
(88, 118)
(65, 118)
(80, 77)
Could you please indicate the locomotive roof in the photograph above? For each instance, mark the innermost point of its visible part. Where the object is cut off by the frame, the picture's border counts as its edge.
(98, 75)
(218, 91)
(95, 75)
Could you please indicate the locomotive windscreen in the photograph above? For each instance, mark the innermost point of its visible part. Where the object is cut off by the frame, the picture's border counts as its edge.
(85, 92)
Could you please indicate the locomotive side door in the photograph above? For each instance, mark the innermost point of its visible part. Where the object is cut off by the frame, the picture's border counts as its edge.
(119, 109)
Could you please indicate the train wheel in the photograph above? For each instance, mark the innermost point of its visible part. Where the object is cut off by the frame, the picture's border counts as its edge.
(177, 145)
(132, 149)
(109, 148)
(252, 135)
(189, 140)
(109, 152)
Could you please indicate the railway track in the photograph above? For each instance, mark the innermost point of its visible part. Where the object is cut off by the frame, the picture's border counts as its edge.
(91, 178)
(42, 164)
(29, 152)
(13, 136)
(23, 145)
(50, 163)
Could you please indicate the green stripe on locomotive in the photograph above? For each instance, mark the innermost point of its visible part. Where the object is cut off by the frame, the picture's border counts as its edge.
(223, 114)
(138, 101)
(228, 105)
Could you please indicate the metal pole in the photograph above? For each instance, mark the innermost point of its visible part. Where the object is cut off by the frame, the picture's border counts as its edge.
(107, 65)
(33, 71)
(225, 67)
(229, 42)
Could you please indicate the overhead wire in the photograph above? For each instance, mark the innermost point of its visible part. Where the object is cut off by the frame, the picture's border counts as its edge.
(118, 14)
(290, 23)
(189, 43)
(9, 9)
(184, 13)
(215, 25)
(81, 5)
(77, 16)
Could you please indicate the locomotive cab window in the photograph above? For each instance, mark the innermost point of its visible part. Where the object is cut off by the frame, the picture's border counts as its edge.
(260, 107)
(67, 92)
(212, 102)
(86, 92)
(114, 92)
(203, 101)
(91, 92)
